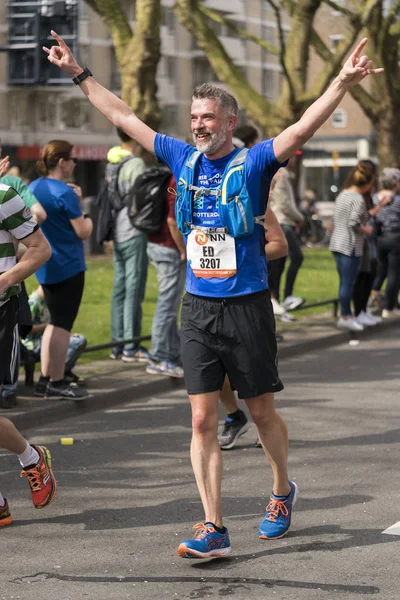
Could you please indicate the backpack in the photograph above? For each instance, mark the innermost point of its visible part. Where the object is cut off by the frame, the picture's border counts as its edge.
(146, 202)
(234, 203)
(109, 201)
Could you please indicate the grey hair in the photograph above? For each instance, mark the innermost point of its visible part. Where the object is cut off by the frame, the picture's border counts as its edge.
(213, 92)
(389, 179)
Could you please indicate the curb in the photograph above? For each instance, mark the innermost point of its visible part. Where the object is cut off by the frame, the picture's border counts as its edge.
(335, 339)
(63, 410)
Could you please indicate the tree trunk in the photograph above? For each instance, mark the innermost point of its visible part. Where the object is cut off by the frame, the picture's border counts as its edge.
(388, 138)
(139, 64)
(137, 53)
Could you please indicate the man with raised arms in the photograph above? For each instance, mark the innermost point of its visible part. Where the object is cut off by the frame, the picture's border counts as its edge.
(227, 321)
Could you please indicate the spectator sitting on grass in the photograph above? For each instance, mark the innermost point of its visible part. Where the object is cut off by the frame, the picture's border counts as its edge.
(33, 342)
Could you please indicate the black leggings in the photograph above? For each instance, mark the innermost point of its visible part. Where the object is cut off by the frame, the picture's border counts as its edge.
(362, 288)
(63, 300)
(276, 267)
(388, 266)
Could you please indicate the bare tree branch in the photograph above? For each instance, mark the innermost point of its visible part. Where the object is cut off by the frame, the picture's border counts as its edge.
(195, 21)
(114, 17)
(282, 54)
(340, 8)
(393, 15)
(366, 101)
(219, 18)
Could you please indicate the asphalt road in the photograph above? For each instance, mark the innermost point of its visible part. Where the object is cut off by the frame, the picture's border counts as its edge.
(127, 497)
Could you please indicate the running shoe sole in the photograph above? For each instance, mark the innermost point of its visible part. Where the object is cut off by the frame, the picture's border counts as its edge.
(241, 431)
(296, 493)
(185, 552)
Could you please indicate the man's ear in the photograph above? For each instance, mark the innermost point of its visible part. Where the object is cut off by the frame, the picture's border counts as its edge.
(232, 122)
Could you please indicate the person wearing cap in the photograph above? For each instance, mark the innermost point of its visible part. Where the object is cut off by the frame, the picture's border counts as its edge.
(388, 227)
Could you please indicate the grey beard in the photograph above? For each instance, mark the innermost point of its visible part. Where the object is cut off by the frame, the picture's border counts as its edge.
(214, 144)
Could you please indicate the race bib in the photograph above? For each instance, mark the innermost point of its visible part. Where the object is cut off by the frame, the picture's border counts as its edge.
(211, 254)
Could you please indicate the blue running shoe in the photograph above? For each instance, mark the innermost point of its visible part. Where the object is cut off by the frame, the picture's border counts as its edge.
(207, 543)
(277, 519)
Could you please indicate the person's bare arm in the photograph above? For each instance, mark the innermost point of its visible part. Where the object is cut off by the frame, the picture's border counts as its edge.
(4, 165)
(83, 227)
(38, 252)
(112, 107)
(38, 213)
(355, 69)
(177, 237)
(276, 246)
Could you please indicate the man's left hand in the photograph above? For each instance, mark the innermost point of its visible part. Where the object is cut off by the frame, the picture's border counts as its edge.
(357, 67)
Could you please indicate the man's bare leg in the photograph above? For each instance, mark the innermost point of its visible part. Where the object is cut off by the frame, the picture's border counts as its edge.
(10, 437)
(205, 454)
(273, 434)
(54, 350)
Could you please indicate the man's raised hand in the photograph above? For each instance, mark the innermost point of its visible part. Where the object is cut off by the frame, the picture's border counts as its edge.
(62, 57)
(357, 67)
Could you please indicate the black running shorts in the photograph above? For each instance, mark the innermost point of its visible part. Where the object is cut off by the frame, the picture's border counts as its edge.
(63, 300)
(233, 336)
(9, 341)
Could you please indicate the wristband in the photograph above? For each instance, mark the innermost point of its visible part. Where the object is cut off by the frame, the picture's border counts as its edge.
(82, 76)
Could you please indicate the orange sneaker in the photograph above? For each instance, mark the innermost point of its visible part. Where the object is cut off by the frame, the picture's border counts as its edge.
(41, 479)
(5, 515)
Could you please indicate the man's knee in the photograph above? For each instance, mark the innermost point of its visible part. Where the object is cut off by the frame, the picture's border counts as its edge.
(204, 422)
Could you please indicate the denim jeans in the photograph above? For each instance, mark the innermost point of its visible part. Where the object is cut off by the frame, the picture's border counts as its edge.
(347, 267)
(9, 389)
(130, 275)
(171, 272)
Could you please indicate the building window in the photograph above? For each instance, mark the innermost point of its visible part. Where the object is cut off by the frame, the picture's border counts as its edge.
(335, 41)
(203, 72)
(268, 34)
(115, 83)
(170, 67)
(168, 19)
(337, 13)
(169, 115)
(339, 118)
(267, 83)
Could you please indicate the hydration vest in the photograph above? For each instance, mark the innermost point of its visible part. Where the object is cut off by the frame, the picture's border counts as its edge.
(234, 204)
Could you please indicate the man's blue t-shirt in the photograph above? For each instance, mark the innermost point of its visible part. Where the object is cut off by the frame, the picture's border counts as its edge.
(261, 166)
(61, 205)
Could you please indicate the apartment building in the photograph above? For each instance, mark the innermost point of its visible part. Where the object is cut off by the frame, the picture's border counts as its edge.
(37, 102)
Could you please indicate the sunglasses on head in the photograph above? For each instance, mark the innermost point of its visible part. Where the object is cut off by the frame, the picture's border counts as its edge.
(67, 157)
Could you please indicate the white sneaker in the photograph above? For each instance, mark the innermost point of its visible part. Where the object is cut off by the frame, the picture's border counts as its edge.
(388, 314)
(363, 319)
(164, 367)
(374, 318)
(285, 317)
(277, 308)
(292, 302)
(350, 324)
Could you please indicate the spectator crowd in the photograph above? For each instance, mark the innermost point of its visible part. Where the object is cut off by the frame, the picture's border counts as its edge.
(365, 244)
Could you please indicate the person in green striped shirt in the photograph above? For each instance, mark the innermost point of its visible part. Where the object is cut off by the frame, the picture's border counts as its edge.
(17, 225)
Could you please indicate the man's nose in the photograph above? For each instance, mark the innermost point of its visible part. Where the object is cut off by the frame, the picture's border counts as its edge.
(198, 123)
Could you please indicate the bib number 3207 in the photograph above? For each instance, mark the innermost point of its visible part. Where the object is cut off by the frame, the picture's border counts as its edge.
(211, 254)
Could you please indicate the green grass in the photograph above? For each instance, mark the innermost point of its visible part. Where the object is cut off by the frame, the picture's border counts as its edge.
(317, 280)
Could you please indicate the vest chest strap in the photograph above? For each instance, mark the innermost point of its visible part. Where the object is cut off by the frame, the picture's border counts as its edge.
(200, 191)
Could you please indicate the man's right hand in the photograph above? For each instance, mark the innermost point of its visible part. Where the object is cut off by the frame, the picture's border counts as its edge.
(62, 57)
